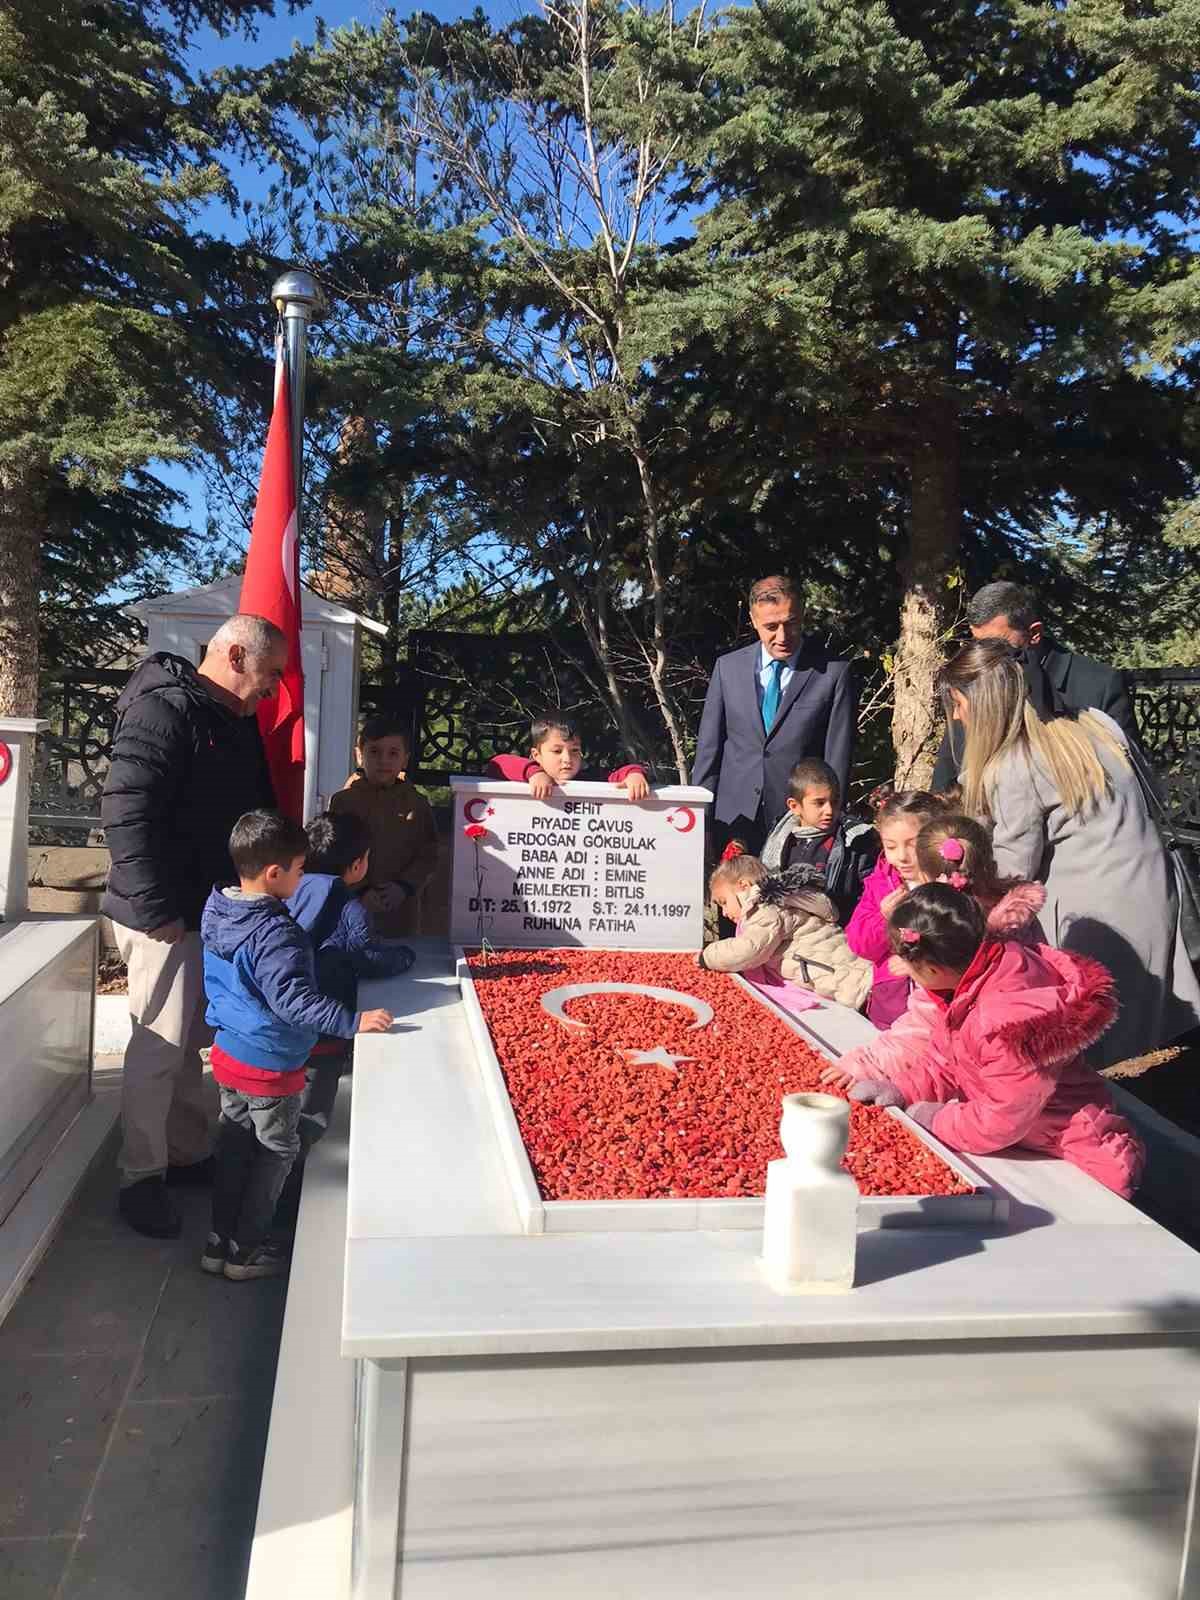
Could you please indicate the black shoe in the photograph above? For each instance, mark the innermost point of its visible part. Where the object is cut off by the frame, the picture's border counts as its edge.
(216, 1254)
(196, 1173)
(147, 1208)
(266, 1260)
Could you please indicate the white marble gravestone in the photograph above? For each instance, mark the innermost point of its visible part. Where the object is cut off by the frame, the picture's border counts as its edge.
(47, 997)
(587, 867)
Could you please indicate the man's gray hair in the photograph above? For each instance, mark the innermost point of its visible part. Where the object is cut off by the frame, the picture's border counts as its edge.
(771, 591)
(1003, 599)
(256, 635)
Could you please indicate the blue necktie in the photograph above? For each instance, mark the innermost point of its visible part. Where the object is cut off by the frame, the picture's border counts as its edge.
(771, 695)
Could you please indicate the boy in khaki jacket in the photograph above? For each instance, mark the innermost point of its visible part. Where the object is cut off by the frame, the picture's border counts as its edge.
(404, 841)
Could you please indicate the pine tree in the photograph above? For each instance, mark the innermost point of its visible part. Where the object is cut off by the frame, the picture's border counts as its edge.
(953, 245)
(120, 321)
(493, 330)
(908, 304)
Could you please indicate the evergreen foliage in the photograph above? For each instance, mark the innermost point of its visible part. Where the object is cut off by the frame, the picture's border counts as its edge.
(121, 320)
(628, 307)
(909, 301)
(954, 246)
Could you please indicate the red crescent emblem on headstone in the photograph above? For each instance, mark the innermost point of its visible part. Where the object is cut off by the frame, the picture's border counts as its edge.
(469, 811)
(5, 762)
(682, 819)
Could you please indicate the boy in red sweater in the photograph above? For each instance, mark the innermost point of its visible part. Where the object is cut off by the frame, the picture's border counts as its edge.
(556, 756)
(260, 979)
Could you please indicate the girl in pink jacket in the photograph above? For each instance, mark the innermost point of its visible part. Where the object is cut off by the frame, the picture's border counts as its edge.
(899, 818)
(953, 849)
(989, 1055)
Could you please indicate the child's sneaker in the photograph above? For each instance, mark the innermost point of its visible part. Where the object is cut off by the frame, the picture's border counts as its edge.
(266, 1260)
(216, 1253)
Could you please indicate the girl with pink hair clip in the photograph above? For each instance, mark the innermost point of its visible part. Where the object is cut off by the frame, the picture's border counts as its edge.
(990, 1057)
(957, 850)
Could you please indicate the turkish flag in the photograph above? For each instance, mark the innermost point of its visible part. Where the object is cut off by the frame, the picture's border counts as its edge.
(271, 589)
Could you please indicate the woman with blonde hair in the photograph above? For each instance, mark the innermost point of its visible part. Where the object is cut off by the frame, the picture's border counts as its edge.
(1066, 808)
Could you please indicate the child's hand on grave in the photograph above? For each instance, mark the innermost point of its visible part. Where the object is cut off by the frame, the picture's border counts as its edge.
(541, 785)
(635, 786)
(876, 1092)
(837, 1077)
(890, 901)
(374, 1021)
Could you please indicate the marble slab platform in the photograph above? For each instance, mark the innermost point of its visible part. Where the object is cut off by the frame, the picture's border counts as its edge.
(438, 1260)
(47, 986)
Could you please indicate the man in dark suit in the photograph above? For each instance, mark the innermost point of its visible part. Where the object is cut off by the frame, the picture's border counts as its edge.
(1007, 611)
(768, 705)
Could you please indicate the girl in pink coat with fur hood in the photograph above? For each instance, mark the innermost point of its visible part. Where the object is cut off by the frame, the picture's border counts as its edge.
(989, 1054)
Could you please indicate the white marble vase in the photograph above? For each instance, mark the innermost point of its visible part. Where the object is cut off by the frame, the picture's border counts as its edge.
(811, 1208)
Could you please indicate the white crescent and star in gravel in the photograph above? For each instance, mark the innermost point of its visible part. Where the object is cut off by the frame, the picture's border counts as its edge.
(554, 1000)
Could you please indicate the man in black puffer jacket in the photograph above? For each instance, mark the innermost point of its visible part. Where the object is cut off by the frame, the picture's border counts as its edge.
(187, 761)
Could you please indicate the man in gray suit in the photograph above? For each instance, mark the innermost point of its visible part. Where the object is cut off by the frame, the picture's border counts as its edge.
(768, 705)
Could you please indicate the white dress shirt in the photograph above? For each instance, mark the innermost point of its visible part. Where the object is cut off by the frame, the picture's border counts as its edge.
(765, 663)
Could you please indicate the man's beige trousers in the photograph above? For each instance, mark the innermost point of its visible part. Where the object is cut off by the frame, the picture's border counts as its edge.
(164, 1112)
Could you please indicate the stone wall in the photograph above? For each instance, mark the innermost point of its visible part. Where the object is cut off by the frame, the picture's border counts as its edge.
(69, 881)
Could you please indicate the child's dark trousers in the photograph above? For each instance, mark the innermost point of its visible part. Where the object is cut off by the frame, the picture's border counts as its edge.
(258, 1140)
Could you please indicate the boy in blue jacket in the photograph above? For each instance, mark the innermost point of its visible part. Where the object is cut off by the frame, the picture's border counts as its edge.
(332, 913)
(263, 1001)
(329, 908)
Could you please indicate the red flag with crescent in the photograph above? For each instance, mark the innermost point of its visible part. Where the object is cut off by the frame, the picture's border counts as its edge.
(271, 589)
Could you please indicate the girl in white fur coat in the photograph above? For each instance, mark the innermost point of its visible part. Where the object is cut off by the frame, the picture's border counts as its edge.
(789, 942)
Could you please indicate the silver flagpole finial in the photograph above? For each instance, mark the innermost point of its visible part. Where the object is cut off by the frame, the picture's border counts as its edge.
(298, 298)
(297, 294)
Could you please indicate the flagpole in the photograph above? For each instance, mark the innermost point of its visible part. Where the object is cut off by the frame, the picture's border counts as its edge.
(298, 299)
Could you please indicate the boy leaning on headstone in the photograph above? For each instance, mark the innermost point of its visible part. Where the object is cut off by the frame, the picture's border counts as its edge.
(329, 907)
(556, 756)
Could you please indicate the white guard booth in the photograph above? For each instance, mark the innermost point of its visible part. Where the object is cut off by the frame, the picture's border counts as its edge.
(331, 649)
(47, 993)
(1004, 1406)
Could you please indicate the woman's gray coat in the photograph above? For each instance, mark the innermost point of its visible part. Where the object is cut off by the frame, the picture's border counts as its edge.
(1109, 893)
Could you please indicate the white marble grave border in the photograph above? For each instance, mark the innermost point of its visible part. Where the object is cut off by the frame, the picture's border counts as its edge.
(986, 1206)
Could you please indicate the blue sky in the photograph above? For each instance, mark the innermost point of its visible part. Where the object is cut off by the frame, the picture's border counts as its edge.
(276, 37)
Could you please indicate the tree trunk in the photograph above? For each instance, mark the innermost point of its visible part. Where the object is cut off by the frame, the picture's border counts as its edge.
(20, 592)
(933, 543)
(656, 657)
(591, 612)
(598, 629)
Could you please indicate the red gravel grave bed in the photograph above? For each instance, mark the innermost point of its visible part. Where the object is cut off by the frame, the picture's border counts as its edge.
(597, 1127)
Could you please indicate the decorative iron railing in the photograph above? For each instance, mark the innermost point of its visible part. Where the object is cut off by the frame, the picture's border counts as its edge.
(466, 696)
(1166, 703)
(72, 757)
